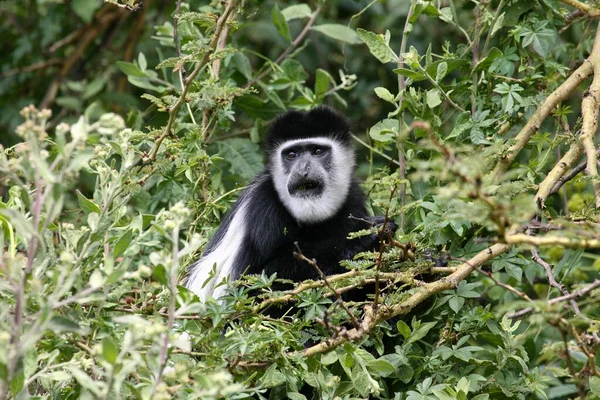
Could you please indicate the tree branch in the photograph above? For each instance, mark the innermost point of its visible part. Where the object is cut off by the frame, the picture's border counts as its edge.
(589, 113)
(190, 79)
(543, 111)
(586, 8)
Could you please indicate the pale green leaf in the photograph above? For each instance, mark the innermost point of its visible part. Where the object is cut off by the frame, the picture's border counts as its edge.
(338, 32)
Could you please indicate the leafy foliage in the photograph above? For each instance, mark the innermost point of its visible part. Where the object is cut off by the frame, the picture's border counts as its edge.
(149, 127)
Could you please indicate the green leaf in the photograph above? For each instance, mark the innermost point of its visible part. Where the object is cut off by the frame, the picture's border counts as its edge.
(329, 358)
(403, 328)
(456, 303)
(498, 24)
(538, 36)
(61, 324)
(110, 351)
(297, 11)
(377, 46)
(384, 94)
(122, 243)
(88, 206)
(441, 71)
(130, 69)
(385, 131)
(142, 61)
(84, 380)
(485, 62)
(272, 377)
(433, 98)
(160, 274)
(322, 80)
(595, 385)
(338, 32)
(414, 75)
(85, 9)
(421, 331)
(295, 396)
(280, 23)
(17, 382)
(381, 367)
(93, 88)
(446, 14)
(243, 156)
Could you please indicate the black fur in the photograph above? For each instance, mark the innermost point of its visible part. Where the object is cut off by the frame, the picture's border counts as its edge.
(318, 122)
(269, 242)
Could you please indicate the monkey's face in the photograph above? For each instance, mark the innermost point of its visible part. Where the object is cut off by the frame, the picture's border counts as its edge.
(312, 177)
(306, 164)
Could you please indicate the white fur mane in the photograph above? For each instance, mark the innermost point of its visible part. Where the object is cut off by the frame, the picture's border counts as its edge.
(336, 185)
(223, 255)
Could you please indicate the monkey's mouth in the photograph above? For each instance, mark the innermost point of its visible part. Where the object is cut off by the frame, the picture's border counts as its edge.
(306, 188)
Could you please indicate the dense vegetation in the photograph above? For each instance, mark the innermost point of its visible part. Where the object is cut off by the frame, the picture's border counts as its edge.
(128, 130)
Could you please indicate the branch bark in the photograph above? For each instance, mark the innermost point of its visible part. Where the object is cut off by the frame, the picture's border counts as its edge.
(589, 113)
(586, 8)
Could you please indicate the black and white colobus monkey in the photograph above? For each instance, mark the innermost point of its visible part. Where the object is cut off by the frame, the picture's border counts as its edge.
(305, 195)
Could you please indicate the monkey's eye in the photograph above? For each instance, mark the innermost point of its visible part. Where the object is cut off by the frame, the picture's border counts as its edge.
(319, 152)
(291, 155)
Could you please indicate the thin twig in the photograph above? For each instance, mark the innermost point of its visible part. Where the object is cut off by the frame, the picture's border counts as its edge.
(32, 67)
(298, 254)
(290, 48)
(181, 71)
(552, 280)
(401, 89)
(511, 289)
(421, 293)
(577, 293)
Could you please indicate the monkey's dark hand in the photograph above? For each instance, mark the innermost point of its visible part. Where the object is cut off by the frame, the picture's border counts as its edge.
(379, 220)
